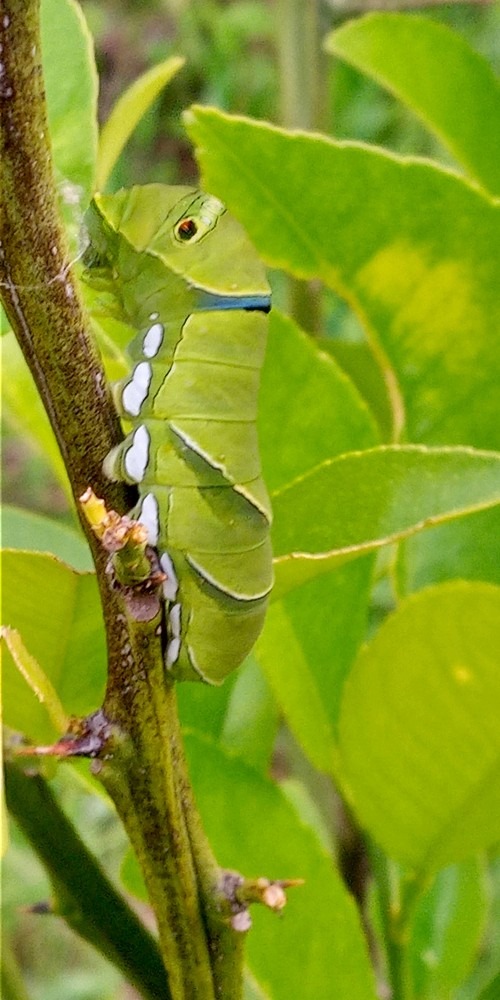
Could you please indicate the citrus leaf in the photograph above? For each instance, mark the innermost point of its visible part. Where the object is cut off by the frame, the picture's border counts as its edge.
(412, 248)
(447, 929)
(295, 432)
(35, 677)
(23, 529)
(426, 65)
(357, 503)
(58, 615)
(419, 734)
(70, 79)
(254, 829)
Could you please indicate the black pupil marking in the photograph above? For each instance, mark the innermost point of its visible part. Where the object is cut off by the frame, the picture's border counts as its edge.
(186, 229)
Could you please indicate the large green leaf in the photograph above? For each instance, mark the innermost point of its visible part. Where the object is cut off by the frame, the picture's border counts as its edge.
(254, 830)
(309, 409)
(35, 677)
(22, 529)
(306, 649)
(355, 504)
(435, 72)
(412, 247)
(492, 990)
(419, 734)
(447, 928)
(252, 717)
(71, 88)
(58, 615)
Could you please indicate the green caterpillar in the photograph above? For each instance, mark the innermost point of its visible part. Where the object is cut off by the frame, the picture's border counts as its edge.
(187, 279)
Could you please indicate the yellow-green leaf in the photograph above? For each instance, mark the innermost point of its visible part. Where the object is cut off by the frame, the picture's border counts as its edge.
(58, 614)
(128, 111)
(419, 733)
(437, 74)
(354, 504)
(70, 79)
(35, 677)
(412, 247)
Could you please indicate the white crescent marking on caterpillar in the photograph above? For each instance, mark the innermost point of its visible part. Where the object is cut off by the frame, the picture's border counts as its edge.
(149, 517)
(153, 340)
(136, 391)
(137, 457)
(171, 584)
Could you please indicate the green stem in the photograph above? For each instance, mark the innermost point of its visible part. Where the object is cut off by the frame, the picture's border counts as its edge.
(399, 892)
(144, 770)
(83, 894)
(138, 769)
(142, 761)
(301, 60)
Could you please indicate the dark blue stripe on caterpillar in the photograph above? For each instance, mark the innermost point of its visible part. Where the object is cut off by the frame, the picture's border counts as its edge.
(251, 303)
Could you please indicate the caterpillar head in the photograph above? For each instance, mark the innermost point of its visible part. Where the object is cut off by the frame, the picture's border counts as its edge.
(190, 232)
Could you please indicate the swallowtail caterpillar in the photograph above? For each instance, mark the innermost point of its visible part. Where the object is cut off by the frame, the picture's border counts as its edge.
(187, 279)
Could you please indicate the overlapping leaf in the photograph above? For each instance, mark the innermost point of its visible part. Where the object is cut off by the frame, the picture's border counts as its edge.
(58, 616)
(128, 111)
(272, 842)
(427, 66)
(354, 504)
(419, 734)
(412, 248)
(70, 79)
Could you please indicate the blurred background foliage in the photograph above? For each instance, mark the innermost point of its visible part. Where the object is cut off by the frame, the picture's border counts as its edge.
(237, 56)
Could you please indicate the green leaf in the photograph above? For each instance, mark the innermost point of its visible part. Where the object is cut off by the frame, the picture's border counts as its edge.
(412, 248)
(316, 625)
(374, 498)
(320, 412)
(128, 111)
(24, 408)
(308, 810)
(293, 683)
(252, 718)
(419, 734)
(34, 676)
(447, 929)
(251, 989)
(306, 649)
(468, 549)
(253, 829)
(203, 708)
(22, 529)
(426, 65)
(356, 359)
(492, 990)
(71, 89)
(58, 615)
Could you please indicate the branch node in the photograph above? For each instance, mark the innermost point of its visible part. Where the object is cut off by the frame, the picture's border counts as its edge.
(85, 737)
(133, 562)
(239, 892)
